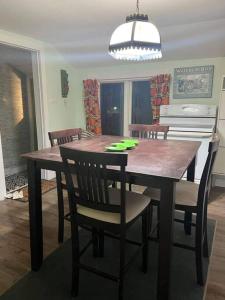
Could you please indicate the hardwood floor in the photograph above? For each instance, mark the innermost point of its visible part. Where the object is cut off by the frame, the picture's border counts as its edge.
(15, 249)
(14, 237)
(215, 289)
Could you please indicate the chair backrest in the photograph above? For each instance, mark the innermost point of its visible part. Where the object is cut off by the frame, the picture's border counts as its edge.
(64, 136)
(148, 131)
(205, 182)
(93, 174)
(86, 134)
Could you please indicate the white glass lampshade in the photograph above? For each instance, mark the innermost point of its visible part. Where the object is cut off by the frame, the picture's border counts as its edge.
(136, 40)
(122, 34)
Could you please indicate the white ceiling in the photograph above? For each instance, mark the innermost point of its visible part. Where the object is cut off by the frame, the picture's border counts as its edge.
(81, 29)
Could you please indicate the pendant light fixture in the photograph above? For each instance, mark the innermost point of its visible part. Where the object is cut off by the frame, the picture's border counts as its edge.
(137, 39)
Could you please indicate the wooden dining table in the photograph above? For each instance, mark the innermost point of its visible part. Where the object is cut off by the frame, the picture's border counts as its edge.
(155, 163)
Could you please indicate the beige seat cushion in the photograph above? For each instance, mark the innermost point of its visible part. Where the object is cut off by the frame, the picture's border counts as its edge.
(135, 204)
(186, 193)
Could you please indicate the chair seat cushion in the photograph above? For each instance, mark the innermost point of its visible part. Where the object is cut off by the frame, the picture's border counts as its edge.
(186, 193)
(135, 204)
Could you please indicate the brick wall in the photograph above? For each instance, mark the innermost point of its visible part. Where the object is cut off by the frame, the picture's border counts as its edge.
(14, 120)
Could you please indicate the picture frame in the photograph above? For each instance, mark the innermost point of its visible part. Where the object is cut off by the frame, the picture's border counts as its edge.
(193, 82)
(64, 83)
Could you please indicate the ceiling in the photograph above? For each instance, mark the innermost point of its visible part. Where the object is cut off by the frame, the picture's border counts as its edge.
(81, 30)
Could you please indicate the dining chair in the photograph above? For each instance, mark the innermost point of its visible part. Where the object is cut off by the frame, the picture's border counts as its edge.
(103, 207)
(193, 198)
(86, 134)
(149, 131)
(58, 138)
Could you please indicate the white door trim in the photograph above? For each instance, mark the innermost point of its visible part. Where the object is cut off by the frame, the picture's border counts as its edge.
(40, 87)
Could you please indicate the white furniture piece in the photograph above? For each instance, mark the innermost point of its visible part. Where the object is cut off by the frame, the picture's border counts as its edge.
(191, 122)
(219, 167)
(2, 174)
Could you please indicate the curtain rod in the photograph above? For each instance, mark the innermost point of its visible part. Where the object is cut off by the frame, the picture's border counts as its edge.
(125, 78)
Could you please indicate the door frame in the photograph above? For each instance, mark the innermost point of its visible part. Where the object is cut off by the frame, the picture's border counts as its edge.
(40, 88)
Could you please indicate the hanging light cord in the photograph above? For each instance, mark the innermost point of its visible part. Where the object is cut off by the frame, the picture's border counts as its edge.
(138, 7)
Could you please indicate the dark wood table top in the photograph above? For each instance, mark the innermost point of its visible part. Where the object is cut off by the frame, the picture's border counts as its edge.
(161, 158)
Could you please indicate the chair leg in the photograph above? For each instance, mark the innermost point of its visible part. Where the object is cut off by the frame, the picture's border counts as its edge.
(187, 222)
(158, 221)
(205, 243)
(145, 233)
(122, 264)
(95, 242)
(150, 216)
(130, 187)
(75, 260)
(199, 252)
(114, 185)
(101, 243)
(60, 208)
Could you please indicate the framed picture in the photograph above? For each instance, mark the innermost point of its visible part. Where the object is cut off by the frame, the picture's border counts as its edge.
(193, 82)
(64, 83)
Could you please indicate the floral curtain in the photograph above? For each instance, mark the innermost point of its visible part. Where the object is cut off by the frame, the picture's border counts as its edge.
(91, 105)
(160, 94)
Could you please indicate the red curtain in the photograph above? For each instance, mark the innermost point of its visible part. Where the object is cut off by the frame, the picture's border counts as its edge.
(160, 94)
(91, 105)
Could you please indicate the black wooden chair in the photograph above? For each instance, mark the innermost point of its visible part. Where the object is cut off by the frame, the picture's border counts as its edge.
(58, 138)
(148, 131)
(193, 198)
(99, 206)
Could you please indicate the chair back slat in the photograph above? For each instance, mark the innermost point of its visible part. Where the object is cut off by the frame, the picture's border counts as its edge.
(100, 183)
(92, 170)
(64, 136)
(148, 131)
(205, 181)
(106, 192)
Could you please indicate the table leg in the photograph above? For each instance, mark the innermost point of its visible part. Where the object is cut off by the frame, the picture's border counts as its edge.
(188, 215)
(35, 214)
(165, 239)
(191, 171)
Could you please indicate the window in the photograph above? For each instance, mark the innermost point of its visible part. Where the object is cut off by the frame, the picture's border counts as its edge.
(112, 108)
(123, 103)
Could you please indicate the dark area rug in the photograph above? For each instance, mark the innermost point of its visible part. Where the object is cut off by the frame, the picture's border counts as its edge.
(53, 281)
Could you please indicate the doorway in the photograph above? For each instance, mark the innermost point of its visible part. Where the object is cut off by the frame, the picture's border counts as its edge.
(141, 103)
(123, 103)
(112, 108)
(17, 114)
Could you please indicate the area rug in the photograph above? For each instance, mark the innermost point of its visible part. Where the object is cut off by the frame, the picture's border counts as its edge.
(15, 181)
(54, 279)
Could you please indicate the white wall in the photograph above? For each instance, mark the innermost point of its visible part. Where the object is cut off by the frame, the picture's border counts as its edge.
(135, 70)
(61, 113)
